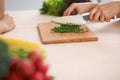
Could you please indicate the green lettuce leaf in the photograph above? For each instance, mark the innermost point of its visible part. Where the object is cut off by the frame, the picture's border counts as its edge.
(53, 7)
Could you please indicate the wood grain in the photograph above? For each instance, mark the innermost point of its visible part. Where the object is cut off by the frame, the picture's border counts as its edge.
(49, 37)
(2, 8)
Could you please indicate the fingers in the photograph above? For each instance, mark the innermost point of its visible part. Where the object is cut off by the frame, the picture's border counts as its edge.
(92, 13)
(97, 16)
(79, 12)
(107, 19)
(102, 18)
(69, 10)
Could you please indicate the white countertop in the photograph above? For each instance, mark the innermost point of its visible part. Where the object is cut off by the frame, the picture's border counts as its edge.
(75, 61)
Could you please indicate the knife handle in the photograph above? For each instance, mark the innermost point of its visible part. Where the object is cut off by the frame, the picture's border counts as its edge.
(86, 17)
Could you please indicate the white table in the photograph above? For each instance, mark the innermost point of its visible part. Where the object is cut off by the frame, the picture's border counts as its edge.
(75, 61)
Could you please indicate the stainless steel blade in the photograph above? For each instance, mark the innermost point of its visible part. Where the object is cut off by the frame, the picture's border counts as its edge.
(74, 19)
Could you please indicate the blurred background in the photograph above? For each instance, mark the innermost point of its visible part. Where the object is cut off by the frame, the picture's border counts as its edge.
(30, 4)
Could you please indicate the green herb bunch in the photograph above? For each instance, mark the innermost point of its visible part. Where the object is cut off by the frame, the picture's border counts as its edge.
(68, 28)
(53, 7)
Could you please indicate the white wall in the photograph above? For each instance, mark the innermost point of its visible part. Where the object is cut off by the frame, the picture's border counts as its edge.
(28, 4)
(23, 4)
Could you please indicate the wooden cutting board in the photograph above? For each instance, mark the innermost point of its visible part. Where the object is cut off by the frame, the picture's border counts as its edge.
(49, 37)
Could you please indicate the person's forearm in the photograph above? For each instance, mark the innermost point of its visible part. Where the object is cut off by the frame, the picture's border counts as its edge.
(91, 5)
(88, 5)
(118, 4)
(119, 7)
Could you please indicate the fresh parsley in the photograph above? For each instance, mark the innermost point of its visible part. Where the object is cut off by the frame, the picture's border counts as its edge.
(68, 28)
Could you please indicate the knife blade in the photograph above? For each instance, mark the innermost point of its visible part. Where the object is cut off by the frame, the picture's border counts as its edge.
(73, 19)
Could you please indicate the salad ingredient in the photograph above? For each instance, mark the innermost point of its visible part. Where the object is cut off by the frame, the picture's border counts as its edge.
(14, 63)
(22, 64)
(53, 7)
(68, 28)
(43, 68)
(37, 76)
(36, 58)
(49, 78)
(5, 59)
(13, 76)
(57, 7)
(26, 67)
(18, 45)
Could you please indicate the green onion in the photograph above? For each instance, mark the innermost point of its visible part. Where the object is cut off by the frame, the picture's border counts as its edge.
(68, 28)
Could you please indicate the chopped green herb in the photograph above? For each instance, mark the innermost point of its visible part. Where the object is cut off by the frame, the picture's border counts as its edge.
(68, 28)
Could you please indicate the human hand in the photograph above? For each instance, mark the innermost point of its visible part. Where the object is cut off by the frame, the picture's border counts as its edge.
(104, 12)
(79, 8)
(6, 24)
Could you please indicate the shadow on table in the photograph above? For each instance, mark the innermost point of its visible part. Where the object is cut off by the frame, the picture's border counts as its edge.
(113, 28)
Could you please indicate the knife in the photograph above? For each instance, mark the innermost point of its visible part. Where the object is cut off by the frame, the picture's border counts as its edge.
(73, 19)
(86, 17)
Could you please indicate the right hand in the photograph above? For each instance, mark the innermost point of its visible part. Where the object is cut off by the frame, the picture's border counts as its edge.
(79, 8)
(105, 11)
